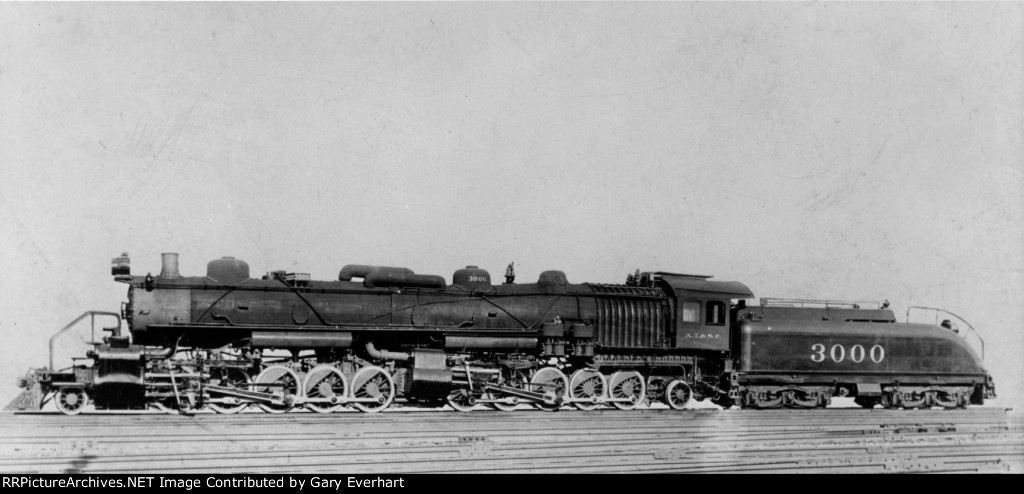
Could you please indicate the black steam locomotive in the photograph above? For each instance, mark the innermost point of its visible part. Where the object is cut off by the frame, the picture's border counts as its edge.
(227, 342)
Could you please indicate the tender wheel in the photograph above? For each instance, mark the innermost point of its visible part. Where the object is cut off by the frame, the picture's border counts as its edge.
(678, 394)
(373, 382)
(587, 384)
(325, 381)
(229, 377)
(553, 382)
(627, 384)
(514, 379)
(281, 382)
(71, 401)
(462, 400)
(964, 400)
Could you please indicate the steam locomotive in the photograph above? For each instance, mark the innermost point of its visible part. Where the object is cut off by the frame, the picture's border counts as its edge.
(383, 335)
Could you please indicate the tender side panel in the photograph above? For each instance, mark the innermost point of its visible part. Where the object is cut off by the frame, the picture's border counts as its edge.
(842, 349)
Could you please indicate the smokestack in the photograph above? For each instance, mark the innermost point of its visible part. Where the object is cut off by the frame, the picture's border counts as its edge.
(169, 268)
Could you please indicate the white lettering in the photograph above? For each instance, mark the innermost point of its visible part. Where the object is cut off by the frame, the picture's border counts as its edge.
(375, 482)
(819, 352)
(838, 353)
(881, 354)
(857, 354)
(842, 353)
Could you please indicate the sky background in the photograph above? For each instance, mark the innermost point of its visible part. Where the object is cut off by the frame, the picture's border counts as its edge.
(842, 151)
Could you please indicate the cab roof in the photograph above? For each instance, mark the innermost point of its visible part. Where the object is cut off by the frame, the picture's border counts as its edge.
(693, 283)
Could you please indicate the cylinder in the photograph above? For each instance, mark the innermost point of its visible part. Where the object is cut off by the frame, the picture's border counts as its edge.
(169, 265)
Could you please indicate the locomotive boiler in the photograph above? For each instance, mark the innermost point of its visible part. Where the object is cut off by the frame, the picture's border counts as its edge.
(382, 335)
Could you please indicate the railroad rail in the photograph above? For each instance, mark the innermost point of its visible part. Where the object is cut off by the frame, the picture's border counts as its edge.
(651, 440)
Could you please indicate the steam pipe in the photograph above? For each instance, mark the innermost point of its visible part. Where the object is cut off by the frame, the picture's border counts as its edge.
(165, 353)
(386, 355)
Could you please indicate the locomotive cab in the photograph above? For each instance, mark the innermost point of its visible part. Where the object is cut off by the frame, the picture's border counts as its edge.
(703, 315)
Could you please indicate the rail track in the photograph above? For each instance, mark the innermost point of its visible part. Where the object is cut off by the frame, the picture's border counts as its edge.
(568, 441)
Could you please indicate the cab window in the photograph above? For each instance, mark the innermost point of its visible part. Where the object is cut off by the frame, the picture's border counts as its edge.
(715, 314)
(691, 311)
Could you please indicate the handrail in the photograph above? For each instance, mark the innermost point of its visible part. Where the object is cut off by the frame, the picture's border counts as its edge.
(937, 310)
(115, 330)
(855, 304)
